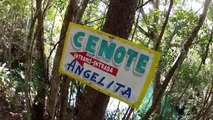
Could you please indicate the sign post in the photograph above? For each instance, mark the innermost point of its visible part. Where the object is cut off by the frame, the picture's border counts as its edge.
(109, 64)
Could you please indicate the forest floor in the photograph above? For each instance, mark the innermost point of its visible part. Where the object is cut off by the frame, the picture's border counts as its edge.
(7, 110)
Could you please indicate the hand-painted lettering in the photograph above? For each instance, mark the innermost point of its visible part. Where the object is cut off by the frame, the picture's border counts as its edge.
(127, 92)
(87, 73)
(97, 79)
(91, 44)
(101, 81)
(79, 70)
(119, 85)
(119, 55)
(110, 84)
(70, 66)
(142, 62)
(76, 40)
(131, 56)
(106, 50)
(110, 51)
(94, 77)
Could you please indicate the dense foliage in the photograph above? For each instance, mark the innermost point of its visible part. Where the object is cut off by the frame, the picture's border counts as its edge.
(30, 35)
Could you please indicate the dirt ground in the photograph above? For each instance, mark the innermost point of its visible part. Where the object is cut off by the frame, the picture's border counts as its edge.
(7, 110)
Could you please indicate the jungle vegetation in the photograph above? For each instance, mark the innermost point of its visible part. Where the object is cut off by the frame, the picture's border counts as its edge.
(32, 36)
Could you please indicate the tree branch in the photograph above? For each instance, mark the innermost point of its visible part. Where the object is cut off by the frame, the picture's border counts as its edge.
(144, 32)
(207, 47)
(143, 4)
(164, 26)
(47, 6)
(81, 11)
(94, 21)
(136, 24)
(48, 59)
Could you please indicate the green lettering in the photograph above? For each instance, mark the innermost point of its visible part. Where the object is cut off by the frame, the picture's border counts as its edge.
(91, 43)
(76, 37)
(132, 54)
(106, 49)
(141, 65)
(119, 54)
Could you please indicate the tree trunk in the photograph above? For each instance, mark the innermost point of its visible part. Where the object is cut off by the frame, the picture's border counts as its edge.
(66, 80)
(39, 101)
(55, 81)
(119, 20)
(28, 63)
(64, 97)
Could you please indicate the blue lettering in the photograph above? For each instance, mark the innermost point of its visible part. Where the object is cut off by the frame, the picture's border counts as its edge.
(71, 65)
(101, 80)
(127, 92)
(86, 73)
(79, 70)
(119, 86)
(94, 76)
(110, 84)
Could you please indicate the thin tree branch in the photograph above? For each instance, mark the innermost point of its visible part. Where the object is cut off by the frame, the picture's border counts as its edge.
(129, 114)
(156, 8)
(48, 5)
(143, 4)
(207, 47)
(117, 110)
(144, 32)
(144, 17)
(205, 112)
(54, 47)
(136, 24)
(51, 41)
(94, 21)
(207, 96)
(164, 26)
(125, 114)
(151, 35)
(81, 11)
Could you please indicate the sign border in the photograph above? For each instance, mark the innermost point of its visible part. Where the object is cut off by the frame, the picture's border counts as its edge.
(147, 80)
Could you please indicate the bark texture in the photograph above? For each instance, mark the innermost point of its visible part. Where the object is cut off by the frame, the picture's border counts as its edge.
(39, 101)
(66, 81)
(64, 97)
(55, 81)
(119, 20)
(28, 63)
(73, 13)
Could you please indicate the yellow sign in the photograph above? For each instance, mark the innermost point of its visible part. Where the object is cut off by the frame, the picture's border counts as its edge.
(109, 64)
